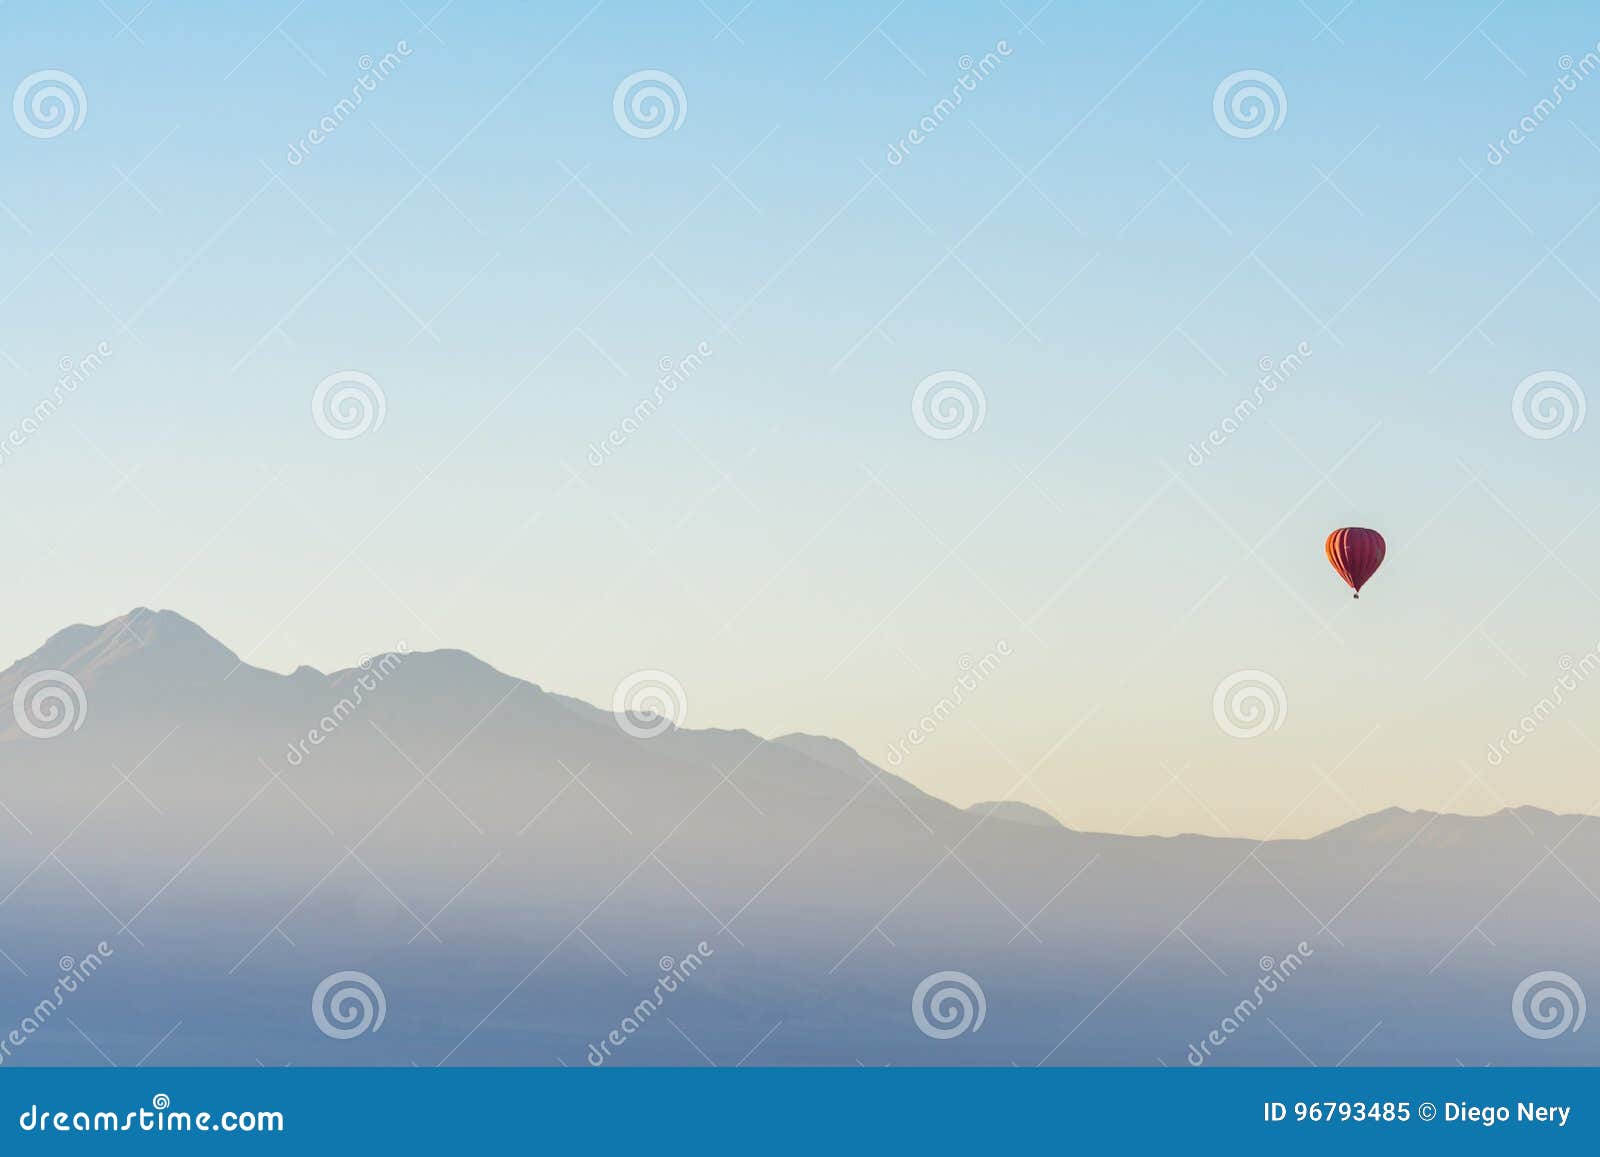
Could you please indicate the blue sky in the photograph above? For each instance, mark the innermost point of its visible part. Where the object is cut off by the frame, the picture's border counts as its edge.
(1080, 237)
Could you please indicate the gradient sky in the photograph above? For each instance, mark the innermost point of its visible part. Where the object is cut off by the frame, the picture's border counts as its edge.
(1080, 237)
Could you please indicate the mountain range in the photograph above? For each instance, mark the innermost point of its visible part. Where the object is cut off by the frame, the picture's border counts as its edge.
(517, 872)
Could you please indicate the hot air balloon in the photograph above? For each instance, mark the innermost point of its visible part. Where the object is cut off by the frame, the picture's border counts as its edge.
(1356, 553)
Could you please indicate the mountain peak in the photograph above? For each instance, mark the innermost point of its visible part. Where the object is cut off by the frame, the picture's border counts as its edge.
(1527, 811)
(86, 650)
(1392, 823)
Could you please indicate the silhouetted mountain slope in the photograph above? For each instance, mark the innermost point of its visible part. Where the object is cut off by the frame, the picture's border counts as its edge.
(514, 864)
(1017, 812)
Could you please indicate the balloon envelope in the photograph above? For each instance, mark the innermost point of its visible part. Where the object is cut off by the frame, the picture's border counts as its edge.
(1355, 553)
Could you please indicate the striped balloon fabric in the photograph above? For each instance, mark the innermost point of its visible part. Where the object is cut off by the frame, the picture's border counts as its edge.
(1356, 553)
